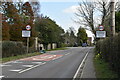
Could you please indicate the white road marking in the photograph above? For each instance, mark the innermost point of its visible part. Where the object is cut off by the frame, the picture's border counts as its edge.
(4, 65)
(60, 57)
(31, 67)
(17, 70)
(75, 76)
(67, 54)
(27, 65)
(1, 76)
(56, 58)
(37, 62)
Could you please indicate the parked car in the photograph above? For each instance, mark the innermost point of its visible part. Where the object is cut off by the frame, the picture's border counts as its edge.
(84, 44)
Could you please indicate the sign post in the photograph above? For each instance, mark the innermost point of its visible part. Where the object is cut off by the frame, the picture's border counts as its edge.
(26, 33)
(27, 44)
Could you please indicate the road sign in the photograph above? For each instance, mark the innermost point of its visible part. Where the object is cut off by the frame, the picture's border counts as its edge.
(101, 28)
(100, 34)
(28, 27)
(26, 33)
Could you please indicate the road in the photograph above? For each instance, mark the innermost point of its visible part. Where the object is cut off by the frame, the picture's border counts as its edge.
(53, 64)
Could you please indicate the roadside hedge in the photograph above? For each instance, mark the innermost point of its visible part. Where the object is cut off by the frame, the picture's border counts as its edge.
(10, 48)
(109, 50)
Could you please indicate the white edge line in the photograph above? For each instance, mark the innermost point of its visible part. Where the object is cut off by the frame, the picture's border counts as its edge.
(2, 65)
(27, 65)
(16, 70)
(80, 66)
(31, 67)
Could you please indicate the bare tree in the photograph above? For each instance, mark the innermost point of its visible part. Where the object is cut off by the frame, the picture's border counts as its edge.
(87, 12)
(104, 9)
(117, 5)
(36, 7)
(85, 15)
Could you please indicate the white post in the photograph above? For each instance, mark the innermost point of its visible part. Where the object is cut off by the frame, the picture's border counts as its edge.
(112, 17)
(36, 43)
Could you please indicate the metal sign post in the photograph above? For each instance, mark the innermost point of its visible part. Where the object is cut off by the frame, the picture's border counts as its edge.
(26, 33)
(27, 44)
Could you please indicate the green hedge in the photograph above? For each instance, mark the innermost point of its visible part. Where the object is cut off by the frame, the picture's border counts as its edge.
(109, 50)
(10, 48)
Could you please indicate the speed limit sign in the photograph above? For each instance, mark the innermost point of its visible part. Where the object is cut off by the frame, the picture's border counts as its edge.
(101, 28)
(28, 27)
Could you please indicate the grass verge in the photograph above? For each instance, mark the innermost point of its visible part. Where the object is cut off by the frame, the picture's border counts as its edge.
(19, 57)
(63, 48)
(102, 69)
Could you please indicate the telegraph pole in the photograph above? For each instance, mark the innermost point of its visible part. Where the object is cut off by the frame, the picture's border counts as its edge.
(112, 10)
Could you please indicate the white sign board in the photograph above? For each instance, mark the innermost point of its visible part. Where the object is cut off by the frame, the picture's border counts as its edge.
(26, 33)
(100, 34)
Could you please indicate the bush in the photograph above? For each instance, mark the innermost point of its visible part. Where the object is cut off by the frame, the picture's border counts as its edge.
(109, 50)
(10, 48)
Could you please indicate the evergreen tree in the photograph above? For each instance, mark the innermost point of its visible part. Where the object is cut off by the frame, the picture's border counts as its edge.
(81, 36)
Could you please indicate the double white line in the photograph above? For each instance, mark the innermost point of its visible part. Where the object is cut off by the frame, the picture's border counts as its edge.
(80, 66)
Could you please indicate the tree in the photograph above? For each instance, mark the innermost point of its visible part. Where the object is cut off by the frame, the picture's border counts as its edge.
(70, 37)
(49, 31)
(12, 21)
(85, 15)
(36, 8)
(117, 21)
(23, 16)
(5, 30)
(82, 36)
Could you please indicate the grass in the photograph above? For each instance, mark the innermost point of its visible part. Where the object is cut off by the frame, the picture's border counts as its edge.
(63, 48)
(102, 69)
(18, 57)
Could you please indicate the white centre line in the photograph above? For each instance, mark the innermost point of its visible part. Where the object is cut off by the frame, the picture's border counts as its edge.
(4, 65)
(1, 76)
(37, 62)
(17, 70)
(67, 54)
(27, 65)
(31, 67)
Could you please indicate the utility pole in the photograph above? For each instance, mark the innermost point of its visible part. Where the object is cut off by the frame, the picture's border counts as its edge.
(112, 10)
